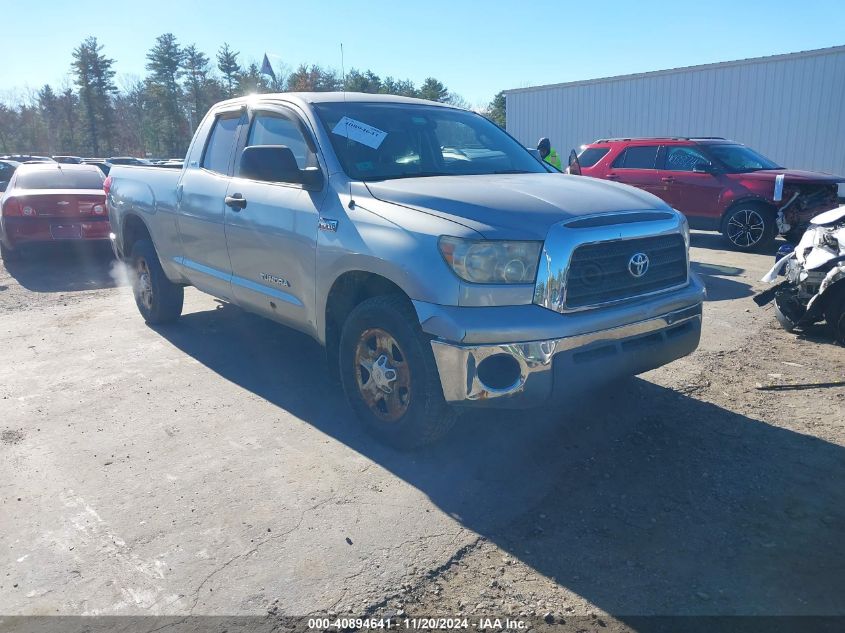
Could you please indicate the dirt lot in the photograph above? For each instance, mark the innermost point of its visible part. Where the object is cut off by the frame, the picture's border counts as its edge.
(210, 467)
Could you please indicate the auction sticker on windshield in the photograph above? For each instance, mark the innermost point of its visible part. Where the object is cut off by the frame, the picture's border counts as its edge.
(360, 132)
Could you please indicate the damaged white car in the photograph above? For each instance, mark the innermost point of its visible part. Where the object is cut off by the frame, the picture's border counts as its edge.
(814, 288)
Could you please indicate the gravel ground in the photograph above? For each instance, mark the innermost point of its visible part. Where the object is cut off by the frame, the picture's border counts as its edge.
(210, 467)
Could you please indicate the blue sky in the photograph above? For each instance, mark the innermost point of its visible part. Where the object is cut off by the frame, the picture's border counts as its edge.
(475, 48)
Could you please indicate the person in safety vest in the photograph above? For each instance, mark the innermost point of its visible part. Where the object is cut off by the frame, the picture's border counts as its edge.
(548, 153)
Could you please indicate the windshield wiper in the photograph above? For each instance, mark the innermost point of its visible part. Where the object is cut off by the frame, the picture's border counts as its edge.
(513, 171)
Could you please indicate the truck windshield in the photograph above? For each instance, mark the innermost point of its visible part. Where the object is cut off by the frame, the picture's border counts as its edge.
(738, 158)
(380, 141)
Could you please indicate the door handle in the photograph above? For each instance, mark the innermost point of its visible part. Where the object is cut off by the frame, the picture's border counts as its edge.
(236, 201)
(667, 179)
(612, 177)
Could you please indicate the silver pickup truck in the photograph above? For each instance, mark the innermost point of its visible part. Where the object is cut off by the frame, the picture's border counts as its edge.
(438, 262)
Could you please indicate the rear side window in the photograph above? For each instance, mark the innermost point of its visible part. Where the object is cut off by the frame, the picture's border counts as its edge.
(637, 157)
(60, 179)
(277, 129)
(221, 143)
(592, 155)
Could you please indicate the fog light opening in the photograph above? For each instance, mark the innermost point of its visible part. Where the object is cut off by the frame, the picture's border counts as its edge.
(499, 371)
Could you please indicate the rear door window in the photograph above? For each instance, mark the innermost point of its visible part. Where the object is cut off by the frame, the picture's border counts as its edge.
(637, 157)
(221, 143)
(592, 155)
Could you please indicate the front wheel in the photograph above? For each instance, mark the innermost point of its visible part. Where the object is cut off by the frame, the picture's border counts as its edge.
(749, 227)
(158, 299)
(389, 374)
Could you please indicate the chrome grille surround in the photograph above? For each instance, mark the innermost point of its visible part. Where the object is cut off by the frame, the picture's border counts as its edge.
(563, 240)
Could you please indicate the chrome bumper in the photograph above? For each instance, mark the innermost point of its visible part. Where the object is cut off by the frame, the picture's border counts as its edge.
(563, 366)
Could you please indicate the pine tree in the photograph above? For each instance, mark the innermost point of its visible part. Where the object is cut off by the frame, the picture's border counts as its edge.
(433, 90)
(164, 61)
(227, 64)
(362, 82)
(496, 110)
(402, 87)
(68, 106)
(313, 78)
(95, 79)
(48, 106)
(199, 86)
(251, 81)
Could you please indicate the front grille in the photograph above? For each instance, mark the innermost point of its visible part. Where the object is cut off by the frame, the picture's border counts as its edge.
(599, 273)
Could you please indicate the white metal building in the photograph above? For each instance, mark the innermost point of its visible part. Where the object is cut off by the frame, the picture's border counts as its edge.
(790, 108)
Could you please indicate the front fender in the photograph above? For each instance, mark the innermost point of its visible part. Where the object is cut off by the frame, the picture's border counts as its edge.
(371, 237)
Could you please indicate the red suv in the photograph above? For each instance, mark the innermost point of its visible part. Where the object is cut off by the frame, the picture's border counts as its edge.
(718, 184)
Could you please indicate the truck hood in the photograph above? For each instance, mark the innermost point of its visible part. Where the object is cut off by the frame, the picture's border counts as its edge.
(513, 206)
(792, 176)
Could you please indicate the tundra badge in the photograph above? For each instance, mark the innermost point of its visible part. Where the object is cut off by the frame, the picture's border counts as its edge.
(275, 280)
(326, 224)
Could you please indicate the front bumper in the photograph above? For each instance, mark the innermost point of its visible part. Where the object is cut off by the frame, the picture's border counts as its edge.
(564, 366)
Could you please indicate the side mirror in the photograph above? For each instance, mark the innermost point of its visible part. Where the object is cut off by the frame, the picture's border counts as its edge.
(276, 163)
(574, 166)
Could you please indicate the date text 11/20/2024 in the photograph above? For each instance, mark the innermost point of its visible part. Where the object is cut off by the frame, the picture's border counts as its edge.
(426, 624)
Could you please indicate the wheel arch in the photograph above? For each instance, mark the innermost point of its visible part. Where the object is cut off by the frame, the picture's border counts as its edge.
(132, 229)
(745, 200)
(350, 289)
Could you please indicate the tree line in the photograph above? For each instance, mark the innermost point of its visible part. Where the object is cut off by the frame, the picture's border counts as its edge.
(157, 115)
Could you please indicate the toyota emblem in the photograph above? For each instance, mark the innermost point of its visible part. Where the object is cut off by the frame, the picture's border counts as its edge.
(638, 264)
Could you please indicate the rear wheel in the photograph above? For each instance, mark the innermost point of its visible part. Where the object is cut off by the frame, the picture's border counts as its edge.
(749, 226)
(389, 374)
(158, 299)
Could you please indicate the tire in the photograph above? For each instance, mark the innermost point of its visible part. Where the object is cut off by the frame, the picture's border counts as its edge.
(159, 300)
(834, 312)
(749, 226)
(383, 334)
(785, 322)
(9, 255)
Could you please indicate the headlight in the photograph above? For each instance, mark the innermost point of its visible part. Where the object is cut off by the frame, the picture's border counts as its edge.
(491, 262)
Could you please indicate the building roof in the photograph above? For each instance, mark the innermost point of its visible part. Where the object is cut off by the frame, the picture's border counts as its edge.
(683, 69)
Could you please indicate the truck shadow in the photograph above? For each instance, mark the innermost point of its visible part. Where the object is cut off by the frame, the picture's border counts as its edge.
(65, 267)
(719, 287)
(715, 241)
(641, 500)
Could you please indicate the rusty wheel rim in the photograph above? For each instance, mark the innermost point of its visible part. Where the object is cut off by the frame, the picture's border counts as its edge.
(382, 374)
(143, 284)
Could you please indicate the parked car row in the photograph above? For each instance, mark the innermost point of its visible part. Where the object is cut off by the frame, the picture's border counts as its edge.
(9, 162)
(718, 184)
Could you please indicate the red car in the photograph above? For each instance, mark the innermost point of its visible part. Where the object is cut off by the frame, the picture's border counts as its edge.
(719, 185)
(51, 201)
